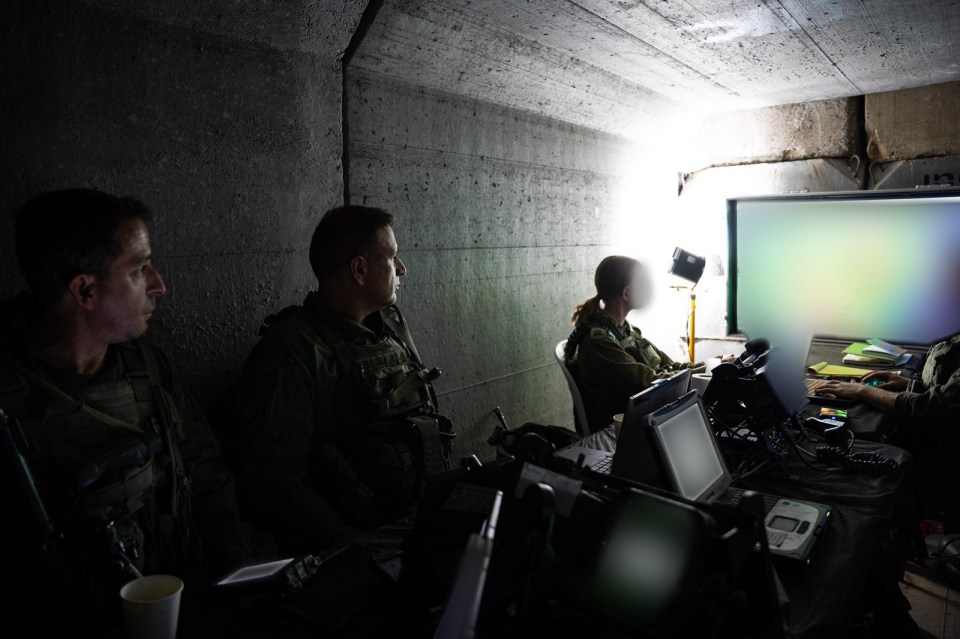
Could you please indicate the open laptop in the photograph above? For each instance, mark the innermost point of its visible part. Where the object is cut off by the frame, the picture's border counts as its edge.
(632, 459)
(694, 467)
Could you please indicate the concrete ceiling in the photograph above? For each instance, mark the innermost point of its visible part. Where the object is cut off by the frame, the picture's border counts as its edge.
(622, 66)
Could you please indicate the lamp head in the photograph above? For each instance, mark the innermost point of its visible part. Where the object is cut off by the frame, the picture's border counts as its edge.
(686, 265)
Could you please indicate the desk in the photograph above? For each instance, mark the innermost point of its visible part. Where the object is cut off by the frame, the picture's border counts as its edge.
(830, 350)
(865, 422)
(856, 558)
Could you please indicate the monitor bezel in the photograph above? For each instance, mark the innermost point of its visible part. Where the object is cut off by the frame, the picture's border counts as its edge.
(654, 422)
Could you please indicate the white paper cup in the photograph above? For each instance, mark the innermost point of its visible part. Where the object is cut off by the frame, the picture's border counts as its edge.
(699, 382)
(618, 423)
(151, 606)
(711, 363)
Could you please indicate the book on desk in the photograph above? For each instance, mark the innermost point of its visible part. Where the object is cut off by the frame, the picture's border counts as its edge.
(875, 353)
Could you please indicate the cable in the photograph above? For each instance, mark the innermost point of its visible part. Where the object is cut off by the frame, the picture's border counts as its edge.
(861, 462)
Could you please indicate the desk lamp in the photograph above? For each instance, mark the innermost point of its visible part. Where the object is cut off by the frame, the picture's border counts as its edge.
(689, 267)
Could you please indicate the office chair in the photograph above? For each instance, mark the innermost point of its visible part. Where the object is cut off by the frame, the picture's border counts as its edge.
(579, 413)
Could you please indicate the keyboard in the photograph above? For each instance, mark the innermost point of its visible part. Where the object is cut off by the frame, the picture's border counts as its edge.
(603, 466)
(824, 399)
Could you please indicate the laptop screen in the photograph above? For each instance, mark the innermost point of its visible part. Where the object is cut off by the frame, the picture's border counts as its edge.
(689, 450)
(657, 396)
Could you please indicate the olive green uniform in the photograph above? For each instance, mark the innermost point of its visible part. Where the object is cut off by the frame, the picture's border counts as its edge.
(158, 487)
(612, 363)
(336, 426)
(929, 426)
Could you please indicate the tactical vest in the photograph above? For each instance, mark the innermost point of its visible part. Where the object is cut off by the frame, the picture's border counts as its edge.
(387, 422)
(98, 478)
(638, 347)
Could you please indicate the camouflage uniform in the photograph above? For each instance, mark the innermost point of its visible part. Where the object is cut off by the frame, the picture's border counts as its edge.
(160, 493)
(612, 363)
(336, 427)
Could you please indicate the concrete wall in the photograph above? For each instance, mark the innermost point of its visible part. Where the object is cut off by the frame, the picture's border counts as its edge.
(225, 119)
(502, 216)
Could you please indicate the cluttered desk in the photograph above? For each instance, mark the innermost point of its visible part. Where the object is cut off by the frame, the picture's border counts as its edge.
(720, 514)
(853, 508)
(850, 360)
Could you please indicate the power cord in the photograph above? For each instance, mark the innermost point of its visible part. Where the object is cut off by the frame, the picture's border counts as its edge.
(841, 452)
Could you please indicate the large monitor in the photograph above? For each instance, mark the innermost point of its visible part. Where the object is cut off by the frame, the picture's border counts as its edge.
(867, 263)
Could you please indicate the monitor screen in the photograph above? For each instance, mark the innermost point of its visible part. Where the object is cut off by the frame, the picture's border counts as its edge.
(689, 451)
(864, 264)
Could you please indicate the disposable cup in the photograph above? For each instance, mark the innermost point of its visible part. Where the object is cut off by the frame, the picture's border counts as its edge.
(151, 606)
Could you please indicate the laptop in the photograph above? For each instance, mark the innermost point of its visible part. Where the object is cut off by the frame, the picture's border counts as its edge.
(632, 459)
(693, 466)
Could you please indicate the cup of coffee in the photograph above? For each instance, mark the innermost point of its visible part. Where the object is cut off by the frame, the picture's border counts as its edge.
(699, 382)
(151, 606)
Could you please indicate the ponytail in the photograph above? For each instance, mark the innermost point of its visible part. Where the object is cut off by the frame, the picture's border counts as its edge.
(585, 311)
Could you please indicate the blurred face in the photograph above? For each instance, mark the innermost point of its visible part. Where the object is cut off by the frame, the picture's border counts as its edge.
(385, 269)
(639, 289)
(126, 294)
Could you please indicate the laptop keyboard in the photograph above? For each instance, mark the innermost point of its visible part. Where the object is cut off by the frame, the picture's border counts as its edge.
(603, 466)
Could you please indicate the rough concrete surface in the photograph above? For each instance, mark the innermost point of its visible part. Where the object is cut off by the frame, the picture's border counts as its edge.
(822, 129)
(926, 173)
(227, 127)
(496, 221)
(913, 123)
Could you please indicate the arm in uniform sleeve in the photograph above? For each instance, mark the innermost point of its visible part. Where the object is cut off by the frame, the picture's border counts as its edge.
(213, 504)
(603, 363)
(280, 390)
(667, 362)
(930, 411)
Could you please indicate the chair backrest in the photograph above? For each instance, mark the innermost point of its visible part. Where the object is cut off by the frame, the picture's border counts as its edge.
(580, 422)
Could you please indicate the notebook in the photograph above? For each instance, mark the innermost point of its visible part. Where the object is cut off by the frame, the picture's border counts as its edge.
(690, 459)
(632, 454)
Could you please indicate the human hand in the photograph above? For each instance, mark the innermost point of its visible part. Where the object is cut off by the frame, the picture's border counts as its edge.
(840, 390)
(888, 380)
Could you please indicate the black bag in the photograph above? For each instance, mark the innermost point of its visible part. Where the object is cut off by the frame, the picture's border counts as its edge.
(507, 441)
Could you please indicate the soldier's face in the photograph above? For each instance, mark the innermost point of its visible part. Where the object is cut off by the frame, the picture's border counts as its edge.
(127, 292)
(385, 270)
(639, 289)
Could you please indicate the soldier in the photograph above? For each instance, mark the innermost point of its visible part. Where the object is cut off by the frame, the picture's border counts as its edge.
(338, 422)
(110, 470)
(610, 359)
(926, 414)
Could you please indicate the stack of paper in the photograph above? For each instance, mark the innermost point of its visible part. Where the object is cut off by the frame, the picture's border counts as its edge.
(875, 352)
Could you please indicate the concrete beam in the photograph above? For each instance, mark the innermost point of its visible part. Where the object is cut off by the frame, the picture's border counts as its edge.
(823, 129)
(913, 123)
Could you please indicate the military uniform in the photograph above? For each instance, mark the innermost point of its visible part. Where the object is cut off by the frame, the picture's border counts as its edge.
(336, 426)
(929, 426)
(125, 466)
(612, 363)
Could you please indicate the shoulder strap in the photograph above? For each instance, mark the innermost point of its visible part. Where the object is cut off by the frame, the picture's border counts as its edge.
(143, 365)
(395, 322)
(74, 402)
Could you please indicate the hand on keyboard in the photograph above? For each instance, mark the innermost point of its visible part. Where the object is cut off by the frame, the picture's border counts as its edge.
(839, 390)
